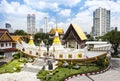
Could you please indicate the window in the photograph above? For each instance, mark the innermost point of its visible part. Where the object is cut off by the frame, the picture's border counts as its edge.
(2, 45)
(23, 49)
(79, 56)
(61, 56)
(36, 53)
(9, 44)
(30, 52)
(70, 56)
(6, 44)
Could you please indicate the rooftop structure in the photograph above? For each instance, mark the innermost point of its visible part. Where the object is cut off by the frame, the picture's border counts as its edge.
(53, 31)
(59, 30)
(31, 41)
(74, 37)
(56, 43)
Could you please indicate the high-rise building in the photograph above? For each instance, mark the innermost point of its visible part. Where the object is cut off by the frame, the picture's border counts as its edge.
(31, 29)
(114, 28)
(8, 26)
(101, 21)
(41, 30)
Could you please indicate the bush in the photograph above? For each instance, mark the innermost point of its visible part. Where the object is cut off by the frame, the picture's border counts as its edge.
(60, 63)
(102, 62)
(42, 74)
(18, 69)
(16, 56)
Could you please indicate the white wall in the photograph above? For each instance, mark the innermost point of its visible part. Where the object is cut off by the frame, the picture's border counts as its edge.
(9, 45)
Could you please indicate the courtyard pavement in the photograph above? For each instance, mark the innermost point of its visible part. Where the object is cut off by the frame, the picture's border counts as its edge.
(111, 75)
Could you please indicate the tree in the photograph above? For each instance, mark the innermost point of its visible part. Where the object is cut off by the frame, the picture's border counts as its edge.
(89, 37)
(114, 38)
(20, 32)
(43, 37)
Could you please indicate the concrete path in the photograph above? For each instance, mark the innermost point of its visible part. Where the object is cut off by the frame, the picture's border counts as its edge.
(28, 73)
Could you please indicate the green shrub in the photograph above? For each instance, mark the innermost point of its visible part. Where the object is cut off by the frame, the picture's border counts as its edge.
(60, 63)
(42, 74)
(16, 56)
(18, 69)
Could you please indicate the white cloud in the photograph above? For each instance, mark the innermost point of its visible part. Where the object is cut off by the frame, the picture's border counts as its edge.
(48, 3)
(42, 5)
(65, 12)
(16, 14)
(108, 4)
(70, 3)
(84, 20)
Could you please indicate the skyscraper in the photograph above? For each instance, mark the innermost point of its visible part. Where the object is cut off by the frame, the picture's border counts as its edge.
(31, 29)
(101, 21)
(8, 26)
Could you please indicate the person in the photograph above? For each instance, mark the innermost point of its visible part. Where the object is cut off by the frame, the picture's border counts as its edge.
(25, 64)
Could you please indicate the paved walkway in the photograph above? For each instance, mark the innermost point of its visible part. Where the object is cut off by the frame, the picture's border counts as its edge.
(111, 75)
(28, 73)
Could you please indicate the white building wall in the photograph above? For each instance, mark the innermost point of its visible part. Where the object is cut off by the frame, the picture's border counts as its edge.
(6, 45)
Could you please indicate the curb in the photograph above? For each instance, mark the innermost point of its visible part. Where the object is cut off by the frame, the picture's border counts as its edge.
(92, 73)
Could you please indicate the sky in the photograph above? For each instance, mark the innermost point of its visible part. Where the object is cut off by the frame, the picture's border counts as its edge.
(78, 12)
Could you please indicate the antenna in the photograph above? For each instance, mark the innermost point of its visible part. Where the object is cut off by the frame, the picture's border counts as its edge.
(56, 23)
(46, 24)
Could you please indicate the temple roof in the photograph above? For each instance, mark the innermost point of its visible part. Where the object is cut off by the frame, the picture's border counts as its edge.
(59, 30)
(5, 36)
(17, 38)
(76, 31)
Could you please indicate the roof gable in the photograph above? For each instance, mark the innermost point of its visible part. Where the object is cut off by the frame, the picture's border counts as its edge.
(2, 31)
(4, 35)
(77, 32)
(59, 30)
(17, 38)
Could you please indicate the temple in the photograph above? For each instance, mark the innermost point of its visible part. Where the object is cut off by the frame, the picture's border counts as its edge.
(53, 31)
(74, 37)
(75, 47)
(6, 45)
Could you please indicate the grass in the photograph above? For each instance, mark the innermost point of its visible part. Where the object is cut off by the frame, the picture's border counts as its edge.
(61, 73)
(11, 67)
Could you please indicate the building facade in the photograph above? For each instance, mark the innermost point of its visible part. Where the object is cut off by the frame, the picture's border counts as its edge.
(6, 45)
(31, 24)
(101, 21)
(74, 37)
(8, 26)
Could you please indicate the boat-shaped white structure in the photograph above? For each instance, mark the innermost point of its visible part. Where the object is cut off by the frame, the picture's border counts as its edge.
(30, 48)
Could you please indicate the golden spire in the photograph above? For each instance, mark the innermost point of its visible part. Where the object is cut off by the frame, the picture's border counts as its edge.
(31, 42)
(56, 39)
